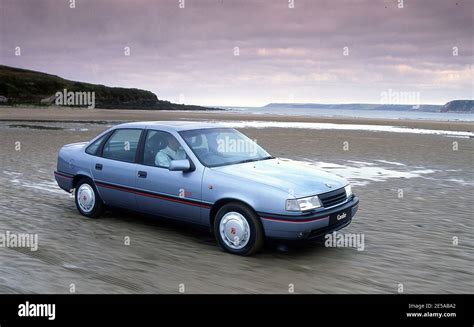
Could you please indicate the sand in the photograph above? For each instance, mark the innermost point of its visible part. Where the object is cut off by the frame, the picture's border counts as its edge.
(408, 239)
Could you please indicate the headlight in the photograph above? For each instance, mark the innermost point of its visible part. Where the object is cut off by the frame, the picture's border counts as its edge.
(292, 205)
(303, 204)
(348, 189)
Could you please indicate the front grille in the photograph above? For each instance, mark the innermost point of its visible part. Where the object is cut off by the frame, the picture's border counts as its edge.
(333, 198)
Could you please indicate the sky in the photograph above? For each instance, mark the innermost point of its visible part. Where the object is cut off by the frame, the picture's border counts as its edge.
(250, 52)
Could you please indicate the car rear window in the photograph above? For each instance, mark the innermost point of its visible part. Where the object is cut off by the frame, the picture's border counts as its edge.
(122, 145)
(92, 149)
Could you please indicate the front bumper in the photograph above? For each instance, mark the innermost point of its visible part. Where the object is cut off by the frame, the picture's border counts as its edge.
(309, 226)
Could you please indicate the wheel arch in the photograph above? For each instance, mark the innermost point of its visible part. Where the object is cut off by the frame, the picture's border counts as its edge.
(222, 202)
(82, 175)
(78, 177)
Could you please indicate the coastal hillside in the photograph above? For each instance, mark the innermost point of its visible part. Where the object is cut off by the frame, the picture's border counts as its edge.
(458, 106)
(21, 86)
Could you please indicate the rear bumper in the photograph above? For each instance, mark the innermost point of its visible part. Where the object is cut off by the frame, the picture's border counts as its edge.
(309, 227)
(64, 180)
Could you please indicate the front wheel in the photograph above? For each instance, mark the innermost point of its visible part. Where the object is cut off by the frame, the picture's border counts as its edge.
(238, 230)
(88, 200)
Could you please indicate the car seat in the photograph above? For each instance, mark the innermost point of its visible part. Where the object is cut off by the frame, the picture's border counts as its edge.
(153, 145)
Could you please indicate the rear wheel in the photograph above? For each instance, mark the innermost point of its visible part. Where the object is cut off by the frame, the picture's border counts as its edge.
(238, 230)
(88, 200)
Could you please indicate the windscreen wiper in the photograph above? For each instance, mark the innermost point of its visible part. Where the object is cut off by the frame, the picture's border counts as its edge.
(255, 159)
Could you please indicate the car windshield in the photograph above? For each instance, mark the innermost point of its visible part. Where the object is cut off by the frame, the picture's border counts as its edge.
(223, 146)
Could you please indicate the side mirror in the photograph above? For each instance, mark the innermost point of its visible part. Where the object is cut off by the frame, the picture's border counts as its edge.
(180, 165)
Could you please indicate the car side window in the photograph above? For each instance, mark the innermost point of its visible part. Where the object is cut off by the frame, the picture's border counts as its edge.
(161, 148)
(122, 145)
(94, 146)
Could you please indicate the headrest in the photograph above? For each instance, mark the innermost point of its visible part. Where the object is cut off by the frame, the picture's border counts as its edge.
(158, 141)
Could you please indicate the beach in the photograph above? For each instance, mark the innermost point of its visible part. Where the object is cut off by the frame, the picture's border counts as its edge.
(61, 114)
(416, 191)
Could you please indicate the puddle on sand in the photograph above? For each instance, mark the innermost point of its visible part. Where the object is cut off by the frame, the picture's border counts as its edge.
(45, 185)
(347, 127)
(362, 173)
(52, 128)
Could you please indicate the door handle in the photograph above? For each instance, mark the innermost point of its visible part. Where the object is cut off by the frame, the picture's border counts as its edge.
(142, 174)
(98, 166)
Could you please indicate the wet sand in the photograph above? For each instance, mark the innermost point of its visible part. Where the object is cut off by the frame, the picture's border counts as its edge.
(408, 240)
(106, 116)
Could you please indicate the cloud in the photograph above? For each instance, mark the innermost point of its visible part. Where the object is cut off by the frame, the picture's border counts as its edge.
(282, 52)
(190, 51)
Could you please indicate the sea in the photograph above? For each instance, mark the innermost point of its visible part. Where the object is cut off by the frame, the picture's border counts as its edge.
(355, 113)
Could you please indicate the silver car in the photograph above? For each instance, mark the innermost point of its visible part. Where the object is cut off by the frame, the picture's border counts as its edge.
(206, 175)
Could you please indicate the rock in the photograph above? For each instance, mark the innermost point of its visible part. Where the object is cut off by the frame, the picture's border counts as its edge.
(49, 100)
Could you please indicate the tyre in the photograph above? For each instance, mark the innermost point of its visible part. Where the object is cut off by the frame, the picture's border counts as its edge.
(88, 200)
(238, 229)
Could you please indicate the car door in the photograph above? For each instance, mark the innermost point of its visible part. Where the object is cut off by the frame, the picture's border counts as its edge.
(114, 171)
(172, 194)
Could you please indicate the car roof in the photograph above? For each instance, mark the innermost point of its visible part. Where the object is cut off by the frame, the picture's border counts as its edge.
(169, 125)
